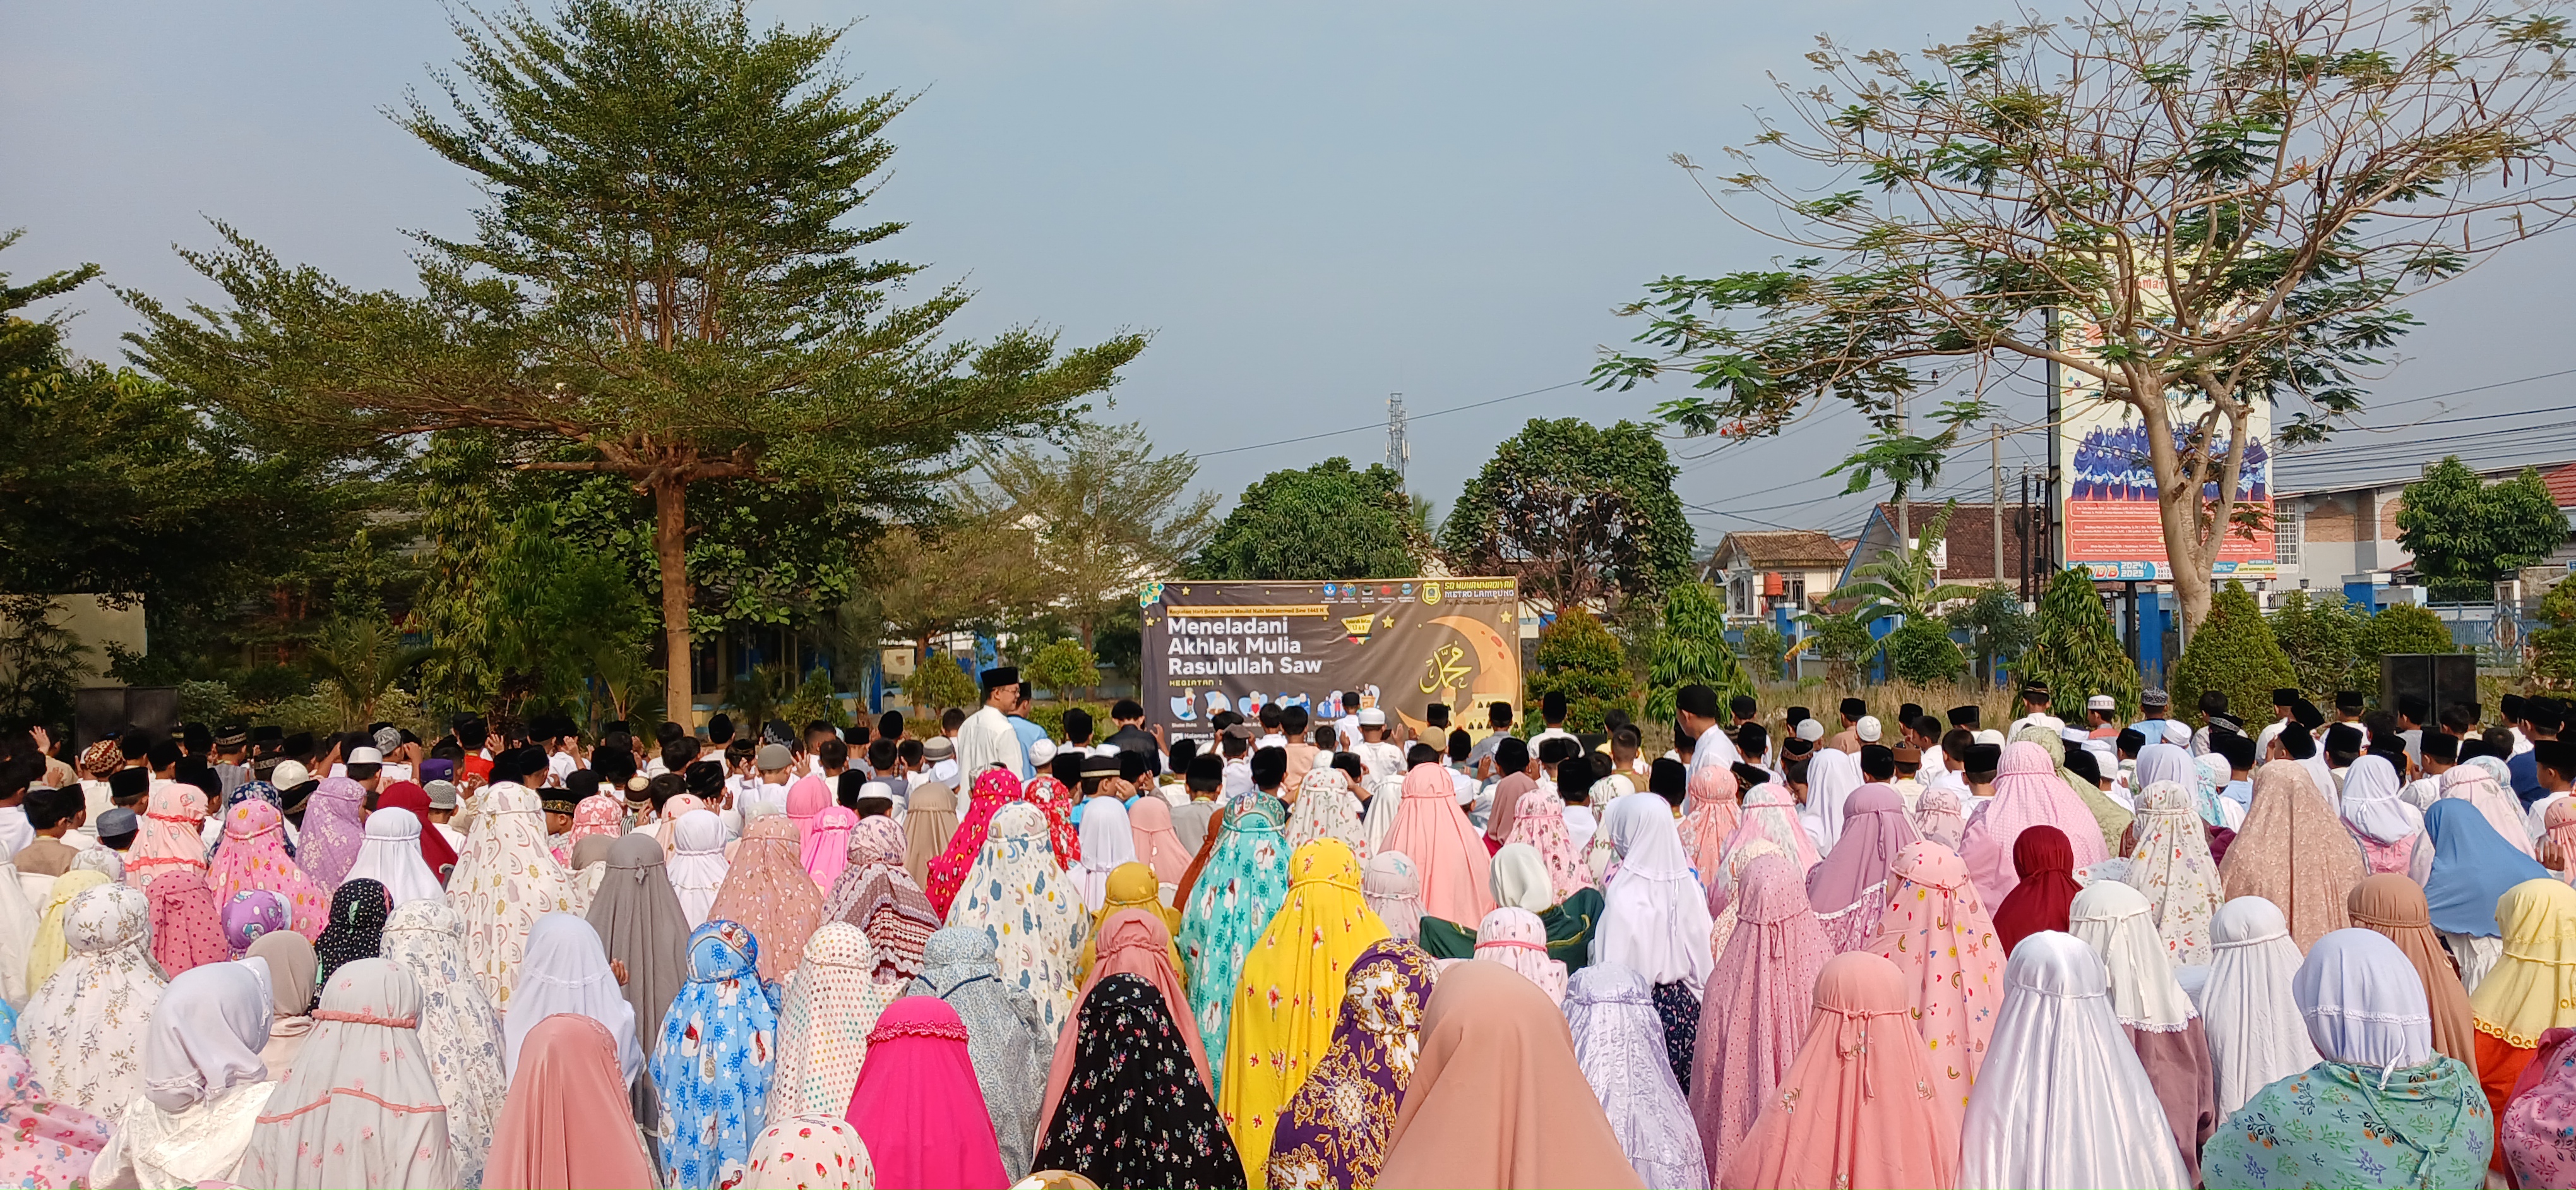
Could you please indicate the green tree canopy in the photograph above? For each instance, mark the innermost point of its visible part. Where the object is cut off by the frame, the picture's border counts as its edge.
(2078, 653)
(1579, 658)
(1329, 521)
(2233, 653)
(2465, 533)
(1107, 513)
(1690, 646)
(2320, 633)
(670, 286)
(1580, 513)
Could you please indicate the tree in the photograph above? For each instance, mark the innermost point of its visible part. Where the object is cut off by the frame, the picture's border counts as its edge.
(2191, 213)
(1902, 583)
(1920, 650)
(669, 286)
(1329, 521)
(1999, 631)
(938, 684)
(1108, 514)
(1910, 462)
(1581, 514)
(1840, 638)
(360, 659)
(1765, 651)
(2553, 649)
(463, 528)
(40, 662)
(2233, 653)
(2077, 653)
(2402, 628)
(965, 573)
(1580, 659)
(2466, 534)
(815, 699)
(1062, 667)
(2320, 634)
(555, 613)
(1690, 647)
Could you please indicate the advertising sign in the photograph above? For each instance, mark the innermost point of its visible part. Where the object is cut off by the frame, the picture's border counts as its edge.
(1402, 644)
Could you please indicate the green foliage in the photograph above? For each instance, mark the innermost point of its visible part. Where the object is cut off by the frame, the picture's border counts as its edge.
(1051, 717)
(2465, 534)
(1920, 650)
(2233, 652)
(1690, 646)
(758, 694)
(40, 662)
(1579, 658)
(2553, 649)
(1105, 511)
(938, 684)
(1840, 639)
(554, 612)
(2077, 652)
(205, 702)
(2401, 628)
(1329, 521)
(1999, 631)
(1901, 582)
(459, 473)
(1062, 667)
(2321, 633)
(1764, 650)
(814, 699)
(1579, 513)
(360, 661)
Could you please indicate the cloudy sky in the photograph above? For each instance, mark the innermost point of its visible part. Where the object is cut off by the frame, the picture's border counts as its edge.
(1310, 206)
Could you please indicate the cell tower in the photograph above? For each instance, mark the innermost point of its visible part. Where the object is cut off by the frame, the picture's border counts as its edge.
(1399, 449)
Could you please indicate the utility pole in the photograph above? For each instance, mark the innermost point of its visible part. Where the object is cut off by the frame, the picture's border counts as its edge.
(1399, 449)
(1996, 444)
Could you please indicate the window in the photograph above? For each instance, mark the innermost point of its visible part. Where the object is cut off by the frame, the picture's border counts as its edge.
(1797, 593)
(2288, 526)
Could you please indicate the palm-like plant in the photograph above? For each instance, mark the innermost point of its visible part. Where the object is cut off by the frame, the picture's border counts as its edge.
(361, 658)
(1901, 582)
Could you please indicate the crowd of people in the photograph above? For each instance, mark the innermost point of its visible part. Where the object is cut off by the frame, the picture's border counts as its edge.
(1903, 952)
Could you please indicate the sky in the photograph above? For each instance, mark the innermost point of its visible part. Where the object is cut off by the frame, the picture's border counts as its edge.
(1307, 206)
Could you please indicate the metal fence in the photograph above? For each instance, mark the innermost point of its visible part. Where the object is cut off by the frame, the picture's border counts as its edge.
(2497, 631)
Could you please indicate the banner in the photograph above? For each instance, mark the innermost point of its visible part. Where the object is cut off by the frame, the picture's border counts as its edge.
(1403, 644)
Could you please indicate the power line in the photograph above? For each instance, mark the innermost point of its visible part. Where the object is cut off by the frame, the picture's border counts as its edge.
(1209, 454)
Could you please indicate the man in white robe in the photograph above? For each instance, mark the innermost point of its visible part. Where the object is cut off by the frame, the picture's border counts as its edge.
(987, 739)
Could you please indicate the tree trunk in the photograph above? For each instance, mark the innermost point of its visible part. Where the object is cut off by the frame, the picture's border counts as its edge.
(671, 549)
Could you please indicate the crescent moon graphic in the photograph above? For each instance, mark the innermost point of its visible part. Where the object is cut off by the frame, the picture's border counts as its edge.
(1497, 665)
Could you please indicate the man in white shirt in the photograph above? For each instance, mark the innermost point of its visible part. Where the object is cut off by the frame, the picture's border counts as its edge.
(986, 740)
(2034, 705)
(2285, 703)
(1695, 706)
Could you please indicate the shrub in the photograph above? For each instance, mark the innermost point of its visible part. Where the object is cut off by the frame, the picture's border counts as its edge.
(2320, 633)
(2077, 653)
(1691, 648)
(938, 684)
(1062, 668)
(2233, 652)
(1581, 660)
(1765, 650)
(1920, 650)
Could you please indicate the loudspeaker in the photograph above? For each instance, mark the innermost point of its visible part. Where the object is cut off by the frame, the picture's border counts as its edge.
(105, 712)
(2442, 680)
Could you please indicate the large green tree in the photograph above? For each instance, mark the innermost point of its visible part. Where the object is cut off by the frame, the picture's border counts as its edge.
(670, 285)
(2191, 212)
(1579, 512)
(2320, 633)
(2078, 653)
(1107, 513)
(1329, 521)
(2233, 653)
(2466, 533)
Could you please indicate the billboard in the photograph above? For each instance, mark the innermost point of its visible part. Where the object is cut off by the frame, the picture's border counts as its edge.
(2107, 489)
(1401, 643)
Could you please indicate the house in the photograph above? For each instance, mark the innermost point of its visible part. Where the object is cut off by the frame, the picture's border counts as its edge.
(1967, 550)
(2335, 524)
(1767, 569)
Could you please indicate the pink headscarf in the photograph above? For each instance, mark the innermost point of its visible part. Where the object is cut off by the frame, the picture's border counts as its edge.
(1515, 938)
(1708, 817)
(598, 814)
(1754, 1013)
(768, 891)
(254, 856)
(827, 843)
(566, 1085)
(185, 932)
(1771, 812)
(1455, 868)
(2474, 784)
(1937, 932)
(169, 839)
(1849, 889)
(1132, 942)
(1158, 846)
(51, 1142)
(2028, 793)
(672, 812)
(2561, 823)
(1539, 820)
(1848, 1113)
(918, 1106)
(805, 799)
(1936, 816)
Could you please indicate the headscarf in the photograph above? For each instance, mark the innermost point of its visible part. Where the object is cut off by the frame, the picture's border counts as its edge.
(1327, 808)
(1496, 1097)
(696, 867)
(391, 857)
(205, 1036)
(2110, 819)
(48, 949)
(826, 850)
(824, 1016)
(1107, 841)
(1936, 931)
(1139, 1115)
(679, 807)
(1849, 889)
(1157, 846)
(435, 854)
(1245, 882)
(43, 1140)
(554, 1132)
(335, 823)
(1505, 815)
(1655, 919)
(2112, 918)
(2532, 988)
(994, 789)
(1394, 892)
(1937, 817)
(1832, 775)
(1854, 1108)
(1753, 1015)
(505, 881)
(18, 921)
(360, 1107)
(602, 815)
(1451, 862)
(2060, 1069)
(1723, 890)
(567, 971)
(638, 920)
(2470, 870)
(1333, 1131)
(806, 798)
(1133, 942)
(254, 857)
(80, 1027)
(876, 894)
(810, 1153)
(2028, 793)
(2382, 1108)
(460, 1033)
(929, 821)
(185, 931)
(1055, 799)
(2394, 906)
(917, 1103)
(1018, 897)
(1515, 937)
(1618, 1038)
(1005, 1039)
(171, 835)
(1290, 992)
(1708, 817)
(2295, 853)
(2044, 860)
(715, 1052)
(1771, 813)
(251, 913)
(2173, 867)
(767, 890)
(1540, 826)
(2254, 1035)
(2370, 807)
(290, 981)
(357, 928)
(2472, 783)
